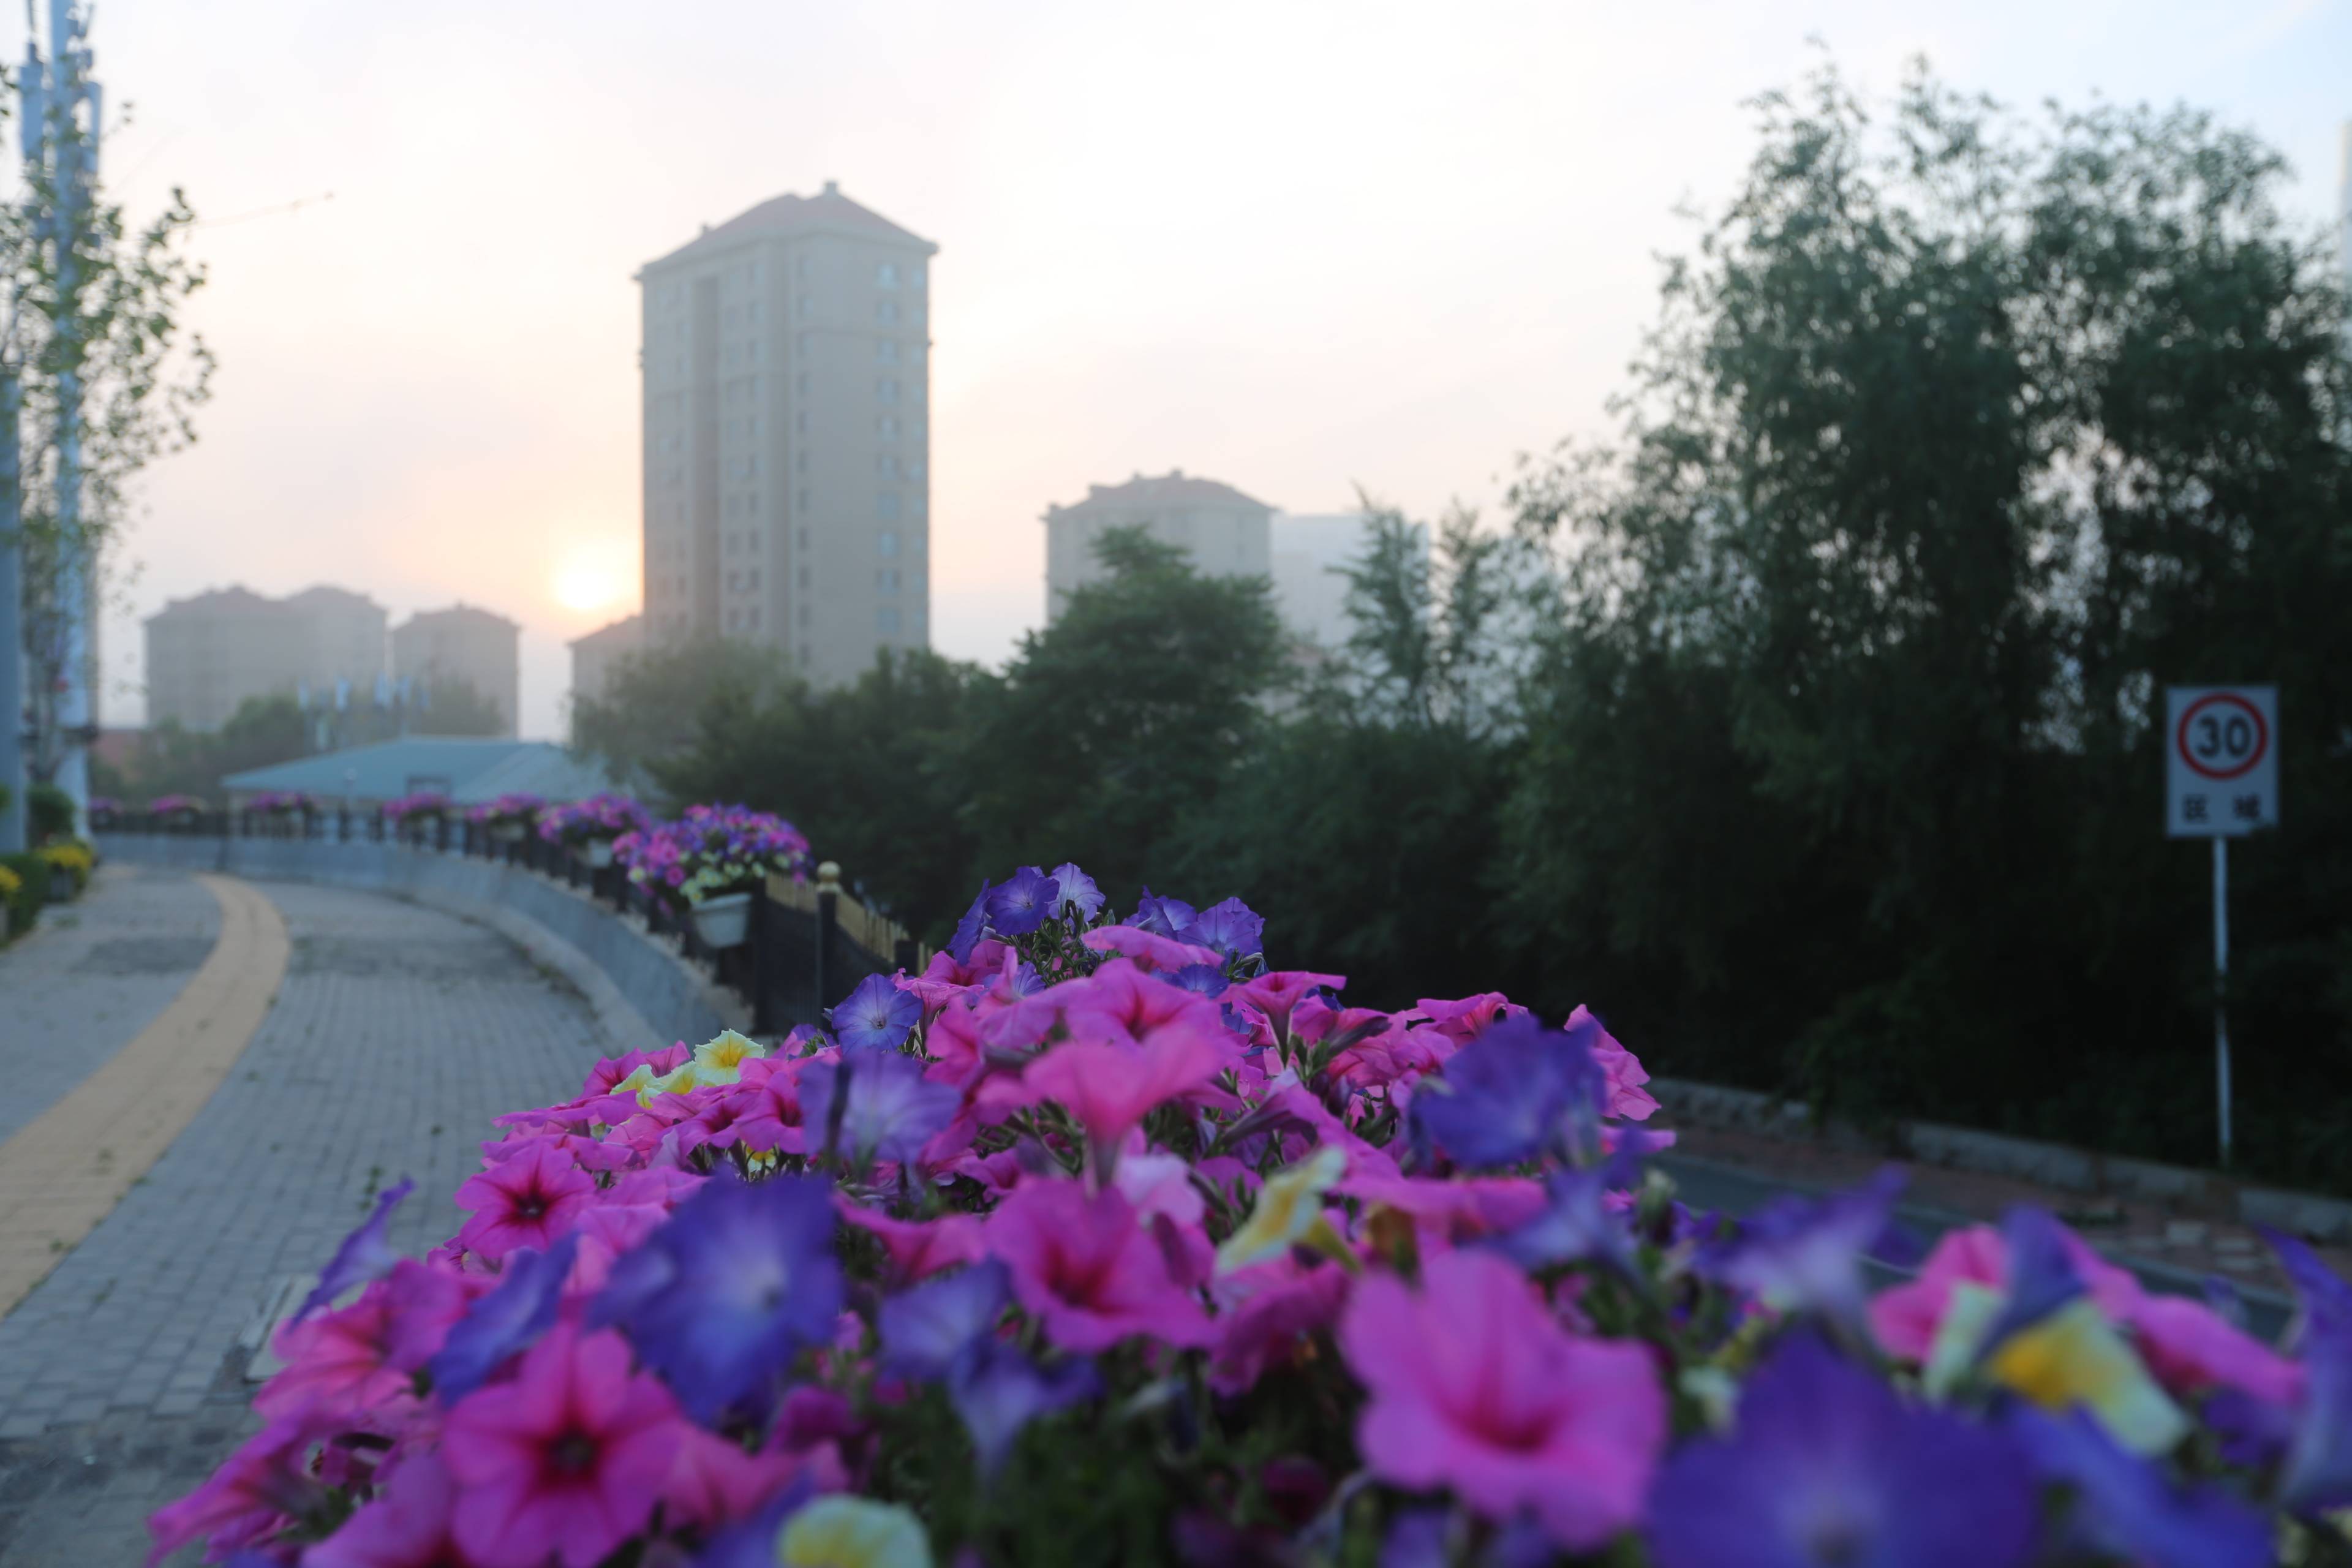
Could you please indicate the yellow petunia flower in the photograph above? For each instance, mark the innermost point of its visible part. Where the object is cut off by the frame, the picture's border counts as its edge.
(843, 1531)
(1289, 1211)
(2074, 1357)
(729, 1050)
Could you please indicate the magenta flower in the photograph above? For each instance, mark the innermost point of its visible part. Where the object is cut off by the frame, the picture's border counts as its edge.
(566, 1461)
(1110, 1088)
(1475, 1386)
(1088, 1271)
(528, 1200)
(255, 1493)
(364, 1254)
(340, 1362)
(407, 1525)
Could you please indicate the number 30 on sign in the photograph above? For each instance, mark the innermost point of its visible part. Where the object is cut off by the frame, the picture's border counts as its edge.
(2221, 760)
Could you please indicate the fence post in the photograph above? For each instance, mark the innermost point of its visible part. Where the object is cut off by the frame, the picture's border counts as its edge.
(828, 909)
(763, 962)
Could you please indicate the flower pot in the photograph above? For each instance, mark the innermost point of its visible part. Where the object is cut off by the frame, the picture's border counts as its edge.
(600, 852)
(724, 920)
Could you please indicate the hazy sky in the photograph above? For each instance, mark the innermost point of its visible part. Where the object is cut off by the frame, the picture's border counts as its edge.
(1296, 246)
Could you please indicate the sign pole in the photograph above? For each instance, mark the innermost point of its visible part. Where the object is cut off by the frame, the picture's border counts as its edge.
(2221, 985)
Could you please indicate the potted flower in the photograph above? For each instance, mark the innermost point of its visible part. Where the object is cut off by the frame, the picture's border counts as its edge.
(103, 810)
(711, 860)
(507, 818)
(282, 802)
(176, 811)
(588, 827)
(424, 806)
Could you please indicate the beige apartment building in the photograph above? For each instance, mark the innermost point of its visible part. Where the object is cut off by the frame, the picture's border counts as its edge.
(208, 654)
(594, 655)
(462, 643)
(1223, 531)
(786, 366)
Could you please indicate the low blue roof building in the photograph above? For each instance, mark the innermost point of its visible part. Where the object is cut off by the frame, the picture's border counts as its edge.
(468, 771)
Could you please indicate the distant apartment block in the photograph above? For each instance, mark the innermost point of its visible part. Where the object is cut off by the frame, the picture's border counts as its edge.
(786, 366)
(1223, 531)
(1311, 557)
(594, 656)
(462, 643)
(208, 654)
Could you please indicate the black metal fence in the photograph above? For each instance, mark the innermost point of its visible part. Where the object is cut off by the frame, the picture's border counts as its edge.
(806, 944)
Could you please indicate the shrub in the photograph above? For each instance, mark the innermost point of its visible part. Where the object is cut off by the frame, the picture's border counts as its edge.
(71, 858)
(27, 891)
(1099, 1241)
(49, 811)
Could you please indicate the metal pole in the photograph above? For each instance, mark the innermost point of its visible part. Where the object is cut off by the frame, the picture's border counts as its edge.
(12, 629)
(75, 159)
(2221, 985)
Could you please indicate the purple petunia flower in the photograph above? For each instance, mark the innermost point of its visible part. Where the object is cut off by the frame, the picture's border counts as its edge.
(969, 929)
(875, 1105)
(1170, 918)
(1021, 903)
(1075, 891)
(1799, 1255)
(507, 1321)
(1232, 928)
(924, 1330)
(876, 1015)
(751, 1541)
(1828, 1465)
(2316, 1477)
(1516, 1092)
(945, 1331)
(1576, 1225)
(1207, 979)
(364, 1254)
(720, 1299)
(2124, 1505)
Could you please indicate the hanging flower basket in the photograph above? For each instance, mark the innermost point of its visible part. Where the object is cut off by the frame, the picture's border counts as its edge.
(723, 922)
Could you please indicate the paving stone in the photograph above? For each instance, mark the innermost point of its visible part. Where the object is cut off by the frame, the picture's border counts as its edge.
(392, 1019)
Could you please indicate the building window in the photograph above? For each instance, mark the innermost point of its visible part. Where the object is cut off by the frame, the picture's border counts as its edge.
(885, 580)
(887, 390)
(885, 276)
(800, 422)
(887, 349)
(885, 465)
(886, 544)
(802, 540)
(885, 620)
(887, 427)
(801, 344)
(800, 384)
(885, 505)
(922, 505)
(887, 312)
(807, 308)
(803, 498)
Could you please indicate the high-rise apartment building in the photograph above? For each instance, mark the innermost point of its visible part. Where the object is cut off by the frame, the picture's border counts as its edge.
(595, 656)
(786, 367)
(462, 644)
(1223, 531)
(207, 654)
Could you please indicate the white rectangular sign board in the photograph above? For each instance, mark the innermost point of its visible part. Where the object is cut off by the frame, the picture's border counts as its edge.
(2221, 772)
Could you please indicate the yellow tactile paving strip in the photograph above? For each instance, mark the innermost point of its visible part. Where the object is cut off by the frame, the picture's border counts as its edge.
(64, 1172)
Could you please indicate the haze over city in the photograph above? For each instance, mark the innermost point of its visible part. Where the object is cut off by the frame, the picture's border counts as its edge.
(1298, 248)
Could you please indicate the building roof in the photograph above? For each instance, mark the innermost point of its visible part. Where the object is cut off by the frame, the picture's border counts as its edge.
(327, 594)
(234, 600)
(470, 770)
(1173, 489)
(623, 633)
(455, 611)
(827, 212)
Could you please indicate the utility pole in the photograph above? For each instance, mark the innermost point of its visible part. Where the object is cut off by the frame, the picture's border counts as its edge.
(12, 610)
(60, 149)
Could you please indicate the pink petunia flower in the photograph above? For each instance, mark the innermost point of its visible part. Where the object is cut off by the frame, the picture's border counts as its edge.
(1270, 1308)
(916, 1249)
(1475, 1386)
(407, 1526)
(2188, 1345)
(1626, 1074)
(338, 1363)
(527, 1200)
(257, 1491)
(566, 1461)
(1149, 951)
(712, 1480)
(1088, 1271)
(1110, 1088)
(1275, 994)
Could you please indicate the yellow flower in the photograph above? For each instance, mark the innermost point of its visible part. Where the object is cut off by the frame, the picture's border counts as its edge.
(728, 1050)
(843, 1531)
(1289, 1211)
(2074, 1357)
(10, 884)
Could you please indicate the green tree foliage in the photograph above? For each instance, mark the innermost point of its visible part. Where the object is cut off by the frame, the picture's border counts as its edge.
(1139, 703)
(455, 706)
(263, 731)
(867, 771)
(649, 713)
(1957, 443)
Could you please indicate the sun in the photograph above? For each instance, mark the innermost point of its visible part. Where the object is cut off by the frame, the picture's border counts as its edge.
(590, 577)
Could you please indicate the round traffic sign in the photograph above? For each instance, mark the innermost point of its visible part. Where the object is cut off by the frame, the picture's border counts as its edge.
(2221, 736)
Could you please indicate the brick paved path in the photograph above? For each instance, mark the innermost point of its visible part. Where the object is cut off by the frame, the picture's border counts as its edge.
(91, 975)
(399, 1032)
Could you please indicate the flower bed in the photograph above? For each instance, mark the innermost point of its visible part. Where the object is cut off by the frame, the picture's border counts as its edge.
(282, 802)
(1101, 1241)
(175, 805)
(425, 805)
(579, 823)
(516, 813)
(711, 851)
(71, 862)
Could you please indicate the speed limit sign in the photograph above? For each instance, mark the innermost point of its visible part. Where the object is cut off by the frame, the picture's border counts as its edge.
(2221, 760)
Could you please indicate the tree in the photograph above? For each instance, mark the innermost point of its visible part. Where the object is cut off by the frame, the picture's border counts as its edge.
(262, 733)
(1138, 704)
(871, 772)
(1956, 441)
(455, 706)
(650, 712)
